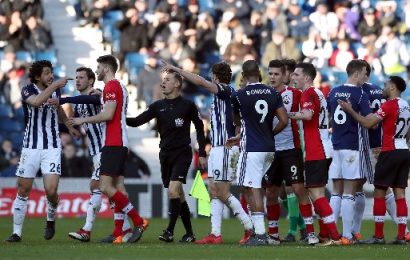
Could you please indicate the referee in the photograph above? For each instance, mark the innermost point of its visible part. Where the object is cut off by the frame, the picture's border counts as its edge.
(174, 115)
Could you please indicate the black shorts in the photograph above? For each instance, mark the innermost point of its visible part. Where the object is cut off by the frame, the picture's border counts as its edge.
(287, 166)
(392, 169)
(175, 165)
(113, 160)
(317, 173)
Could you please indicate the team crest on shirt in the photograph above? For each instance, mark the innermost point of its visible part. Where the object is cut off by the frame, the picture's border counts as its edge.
(286, 100)
(179, 122)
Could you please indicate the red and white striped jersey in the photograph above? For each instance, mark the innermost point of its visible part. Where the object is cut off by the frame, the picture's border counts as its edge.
(316, 134)
(288, 138)
(395, 114)
(115, 132)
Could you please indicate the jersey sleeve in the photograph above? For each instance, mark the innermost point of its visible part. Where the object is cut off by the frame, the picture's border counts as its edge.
(224, 91)
(235, 102)
(307, 101)
(28, 91)
(279, 101)
(110, 92)
(384, 110)
(364, 105)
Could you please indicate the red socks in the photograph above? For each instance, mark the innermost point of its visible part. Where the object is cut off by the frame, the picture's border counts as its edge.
(273, 218)
(401, 217)
(379, 210)
(306, 212)
(121, 201)
(325, 212)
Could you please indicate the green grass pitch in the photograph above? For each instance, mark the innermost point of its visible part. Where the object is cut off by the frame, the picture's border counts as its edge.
(34, 246)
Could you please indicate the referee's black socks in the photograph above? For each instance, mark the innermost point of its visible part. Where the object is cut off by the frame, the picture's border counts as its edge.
(186, 217)
(174, 209)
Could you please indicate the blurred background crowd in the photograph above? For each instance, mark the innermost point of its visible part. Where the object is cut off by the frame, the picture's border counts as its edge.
(194, 34)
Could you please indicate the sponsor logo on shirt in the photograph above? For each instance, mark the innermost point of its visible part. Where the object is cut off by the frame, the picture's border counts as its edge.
(110, 96)
(179, 122)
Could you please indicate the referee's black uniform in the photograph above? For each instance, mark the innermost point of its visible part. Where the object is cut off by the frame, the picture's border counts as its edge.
(174, 117)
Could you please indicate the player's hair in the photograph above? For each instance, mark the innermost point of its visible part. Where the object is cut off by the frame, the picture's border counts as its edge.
(36, 69)
(177, 76)
(109, 60)
(355, 66)
(277, 64)
(250, 68)
(222, 71)
(307, 69)
(290, 64)
(368, 67)
(398, 82)
(90, 73)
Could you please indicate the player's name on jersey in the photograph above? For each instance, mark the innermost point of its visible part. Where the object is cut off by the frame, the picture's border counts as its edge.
(402, 109)
(376, 91)
(342, 94)
(258, 92)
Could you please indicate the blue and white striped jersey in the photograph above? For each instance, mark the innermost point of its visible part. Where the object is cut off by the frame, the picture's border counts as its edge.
(41, 130)
(222, 126)
(376, 99)
(85, 106)
(94, 131)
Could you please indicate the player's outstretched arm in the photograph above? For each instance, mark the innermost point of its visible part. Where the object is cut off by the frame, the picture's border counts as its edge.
(282, 116)
(40, 99)
(64, 119)
(142, 118)
(369, 121)
(81, 99)
(105, 115)
(305, 114)
(192, 77)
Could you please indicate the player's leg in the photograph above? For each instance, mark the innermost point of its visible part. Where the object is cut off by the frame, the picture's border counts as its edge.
(335, 174)
(302, 197)
(174, 169)
(320, 203)
(185, 214)
(51, 169)
(112, 166)
(273, 188)
(94, 205)
(359, 207)
(27, 170)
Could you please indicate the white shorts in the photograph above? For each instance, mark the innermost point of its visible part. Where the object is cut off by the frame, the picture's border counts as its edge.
(346, 165)
(33, 160)
(252, 167)
(222, 163)
(96, 167)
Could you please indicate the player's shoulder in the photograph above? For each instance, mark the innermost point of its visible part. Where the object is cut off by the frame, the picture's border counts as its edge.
(112, 84)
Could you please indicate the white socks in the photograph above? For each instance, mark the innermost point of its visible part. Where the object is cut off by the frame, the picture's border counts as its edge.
(51, 212)
(19, 208)
(359, 206)
(93, 208)
(258, 219)
(335, 203)
(217, 208)
(347, 214)
(235, 205)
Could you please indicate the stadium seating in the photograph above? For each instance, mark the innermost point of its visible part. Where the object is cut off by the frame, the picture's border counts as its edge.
(16, 138)
(50, 55)
(19, 113)
(133, 63)
(9, 125)
(5, 111)
(109, 29)
(24, 56)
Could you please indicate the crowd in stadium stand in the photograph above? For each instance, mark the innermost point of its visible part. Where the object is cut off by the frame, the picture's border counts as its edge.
(194, 34)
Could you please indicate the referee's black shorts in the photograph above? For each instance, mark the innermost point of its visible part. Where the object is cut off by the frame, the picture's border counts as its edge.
(175, 164)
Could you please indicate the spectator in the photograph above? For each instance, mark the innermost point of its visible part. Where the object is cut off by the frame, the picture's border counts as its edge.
(240, 8)
(317, 50)
(274, 19)
(298, 22)
(324, 21)
(387, 14)
(279, 48)
(136, 167)
(159, 25)
(224, 30)
(348, 22)
(176, 12)
(176, 51)
(370, 27)
(341, 56)
(134, 34)
(15, 36)
(205, 37)
(73, 165)
(148, 81)
(7, 154)
(37, 35)
(192, 14)
(393, 53)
